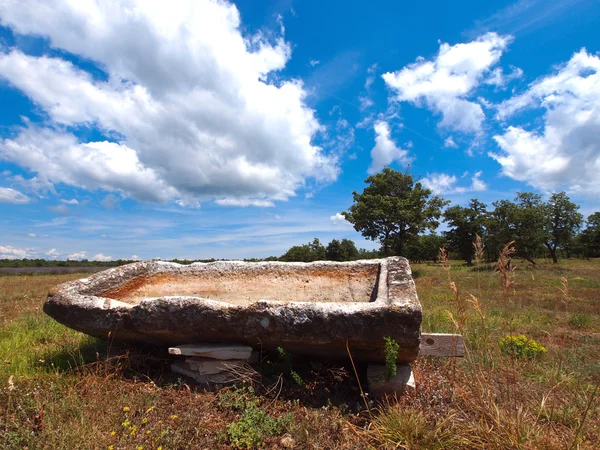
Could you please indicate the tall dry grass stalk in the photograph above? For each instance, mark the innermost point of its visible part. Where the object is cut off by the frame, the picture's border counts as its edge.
(506, 270)
(564, 289)
(443, 257)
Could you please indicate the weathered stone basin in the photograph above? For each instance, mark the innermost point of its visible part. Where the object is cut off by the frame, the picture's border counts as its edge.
(310, 308)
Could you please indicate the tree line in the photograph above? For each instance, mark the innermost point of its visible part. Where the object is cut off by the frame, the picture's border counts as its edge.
(402, 215)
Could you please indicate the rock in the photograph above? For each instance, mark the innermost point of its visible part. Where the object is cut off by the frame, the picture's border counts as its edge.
(214, 351)
(219, 378)
(380, 387)
(308, 308)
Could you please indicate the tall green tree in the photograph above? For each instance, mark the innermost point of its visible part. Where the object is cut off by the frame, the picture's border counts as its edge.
(393, 210)
(465, 223)
(564, 221)
(425, 248)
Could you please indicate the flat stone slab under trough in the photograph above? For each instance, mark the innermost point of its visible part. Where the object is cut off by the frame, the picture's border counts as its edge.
(308, 308)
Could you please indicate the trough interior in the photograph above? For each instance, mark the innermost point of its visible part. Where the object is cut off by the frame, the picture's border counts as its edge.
(336, 284)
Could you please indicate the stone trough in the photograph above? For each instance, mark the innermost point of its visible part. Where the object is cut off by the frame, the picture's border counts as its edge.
(308, 308)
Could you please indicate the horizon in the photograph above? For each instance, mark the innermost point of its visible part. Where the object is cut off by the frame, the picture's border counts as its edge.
(235, 130)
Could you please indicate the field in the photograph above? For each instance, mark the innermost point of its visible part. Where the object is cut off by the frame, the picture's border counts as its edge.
(60, 389)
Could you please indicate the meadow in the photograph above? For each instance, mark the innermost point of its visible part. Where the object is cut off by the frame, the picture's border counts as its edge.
(60, 389)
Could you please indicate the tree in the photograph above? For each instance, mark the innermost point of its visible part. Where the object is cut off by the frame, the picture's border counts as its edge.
(465, 223)
(393, 210)
(524, 222)
(349, 250)
(334, 251)
(563, 224)
(590, 237)
(313, 251)
(425, 248)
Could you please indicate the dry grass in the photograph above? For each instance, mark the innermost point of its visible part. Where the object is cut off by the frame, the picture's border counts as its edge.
(60, 389)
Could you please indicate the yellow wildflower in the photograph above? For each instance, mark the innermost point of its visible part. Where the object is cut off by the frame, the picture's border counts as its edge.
(112, 433)
(149, 410)
(111, 447)
(144, 420)
(174, 417)
(126, 409)
(126, 423)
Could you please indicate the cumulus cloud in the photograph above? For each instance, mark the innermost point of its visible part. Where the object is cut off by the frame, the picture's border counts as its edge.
(564, 152)
(445, 83)
(53, 253)
(77, 255)
(338, 219)
(190, 104)
(73, 201)
(8, 252)
(442, 183)
(101, 257)
(134, 258)
(8, 195)
(386, 151)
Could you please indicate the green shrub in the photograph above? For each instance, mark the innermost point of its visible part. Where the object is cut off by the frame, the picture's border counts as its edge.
(390, 350)
(254, 426)
(521, 347)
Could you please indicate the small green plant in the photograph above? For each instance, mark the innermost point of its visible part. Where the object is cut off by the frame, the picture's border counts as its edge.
(254, 426)
(286, 358)
(239, 399)
(521, 347)
(390, 350)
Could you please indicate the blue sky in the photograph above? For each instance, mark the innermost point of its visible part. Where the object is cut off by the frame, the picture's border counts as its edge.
(198, 129)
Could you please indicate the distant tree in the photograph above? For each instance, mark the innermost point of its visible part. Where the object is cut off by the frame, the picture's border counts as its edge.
(529, 222)
(564, 221)
(313, 251)
(465, 223)
(349, 250)
(341, 251)
(393, 210)
(590, 237)
(334, 251)
(425, 248)
(525, 222)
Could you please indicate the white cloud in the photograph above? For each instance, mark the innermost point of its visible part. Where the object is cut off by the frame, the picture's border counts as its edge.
(498, 78)
(31, 235)
(134, 258)
(444, 84)
(8, 252)
(53, 253)
(563, 153)
(188, 98)
(244, 202)
(73, 201)
(8, 195)
(338, 219)
(441, 183)
(101, 257)
(449, 142)
(77, 255)
(386, 151)
(314, 62)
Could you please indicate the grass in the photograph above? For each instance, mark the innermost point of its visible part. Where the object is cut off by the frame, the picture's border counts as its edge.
(60, 389)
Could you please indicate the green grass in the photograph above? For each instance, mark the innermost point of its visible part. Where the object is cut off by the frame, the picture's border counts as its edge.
(60, 389)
